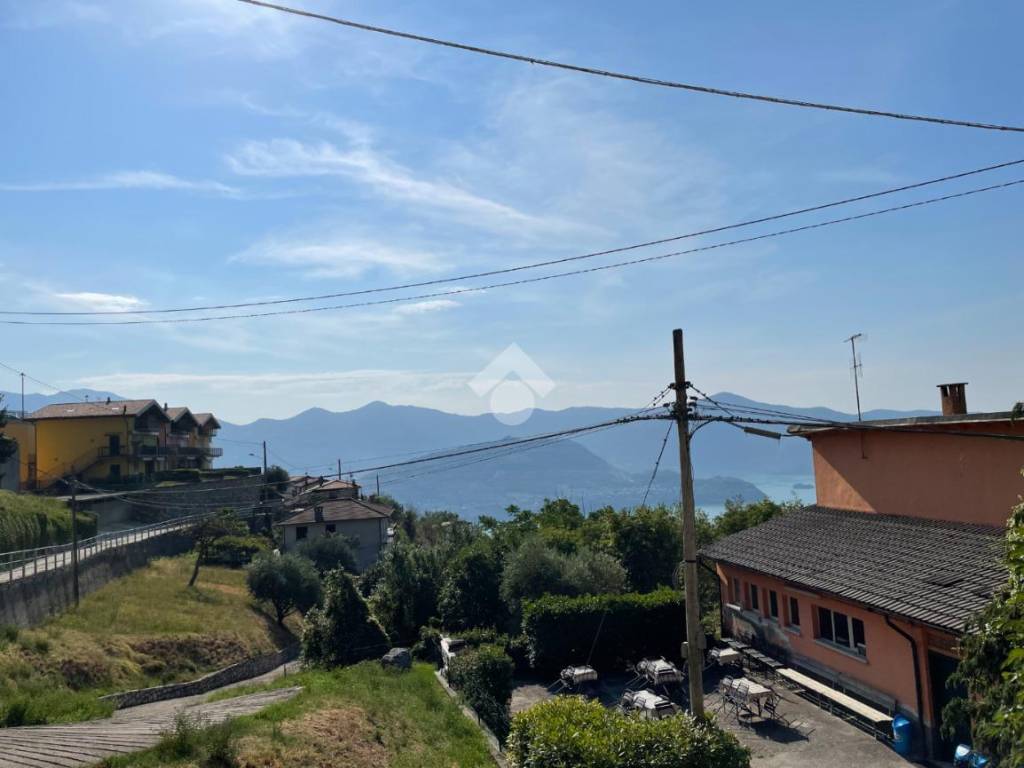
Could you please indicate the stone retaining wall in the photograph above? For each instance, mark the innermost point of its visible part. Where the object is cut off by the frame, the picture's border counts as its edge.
(27, 601)
(243, 670)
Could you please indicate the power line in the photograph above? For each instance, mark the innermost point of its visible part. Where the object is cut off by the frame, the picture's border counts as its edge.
(534, 265)
(42, 383)
(657, 463)
(635, 78)
(526, 281)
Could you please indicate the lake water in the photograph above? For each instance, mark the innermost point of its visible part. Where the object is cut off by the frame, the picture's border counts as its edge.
(775, 487)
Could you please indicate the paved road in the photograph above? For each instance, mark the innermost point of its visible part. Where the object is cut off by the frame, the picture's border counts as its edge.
(62, 559)
(129, 730)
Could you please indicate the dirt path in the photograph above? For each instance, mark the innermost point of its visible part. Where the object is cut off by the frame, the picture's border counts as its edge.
(128, 730)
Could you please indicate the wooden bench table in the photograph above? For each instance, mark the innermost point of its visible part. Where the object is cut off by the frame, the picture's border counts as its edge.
(879, 721)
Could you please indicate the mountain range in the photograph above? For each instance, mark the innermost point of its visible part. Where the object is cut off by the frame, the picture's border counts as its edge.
(612, 466)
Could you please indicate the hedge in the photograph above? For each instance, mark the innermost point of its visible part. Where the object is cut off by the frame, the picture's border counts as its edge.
(561, 630)
(37, 521)
(570, 731)
(483, 676)
(236, 551)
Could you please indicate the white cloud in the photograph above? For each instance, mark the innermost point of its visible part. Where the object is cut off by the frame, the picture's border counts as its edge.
(338, 256)
(152, 180)
(99, 302)
(288, 158)
(53, 14)
(421, 307)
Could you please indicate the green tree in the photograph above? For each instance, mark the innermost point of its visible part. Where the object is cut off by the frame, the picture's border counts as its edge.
(407, 580)
(739, 516)
(648, 542)
(7, 445)
(208, 531)
(992, 666)
(533, 570)
(594, 573)
(341, 631)
(288, 582)
(328, 553)
(471, 592)
(276, 482)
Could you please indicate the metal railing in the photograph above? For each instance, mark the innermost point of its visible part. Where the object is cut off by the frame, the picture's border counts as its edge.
(28, 562)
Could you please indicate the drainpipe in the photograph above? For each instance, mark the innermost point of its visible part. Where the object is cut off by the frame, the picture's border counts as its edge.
(917, 672)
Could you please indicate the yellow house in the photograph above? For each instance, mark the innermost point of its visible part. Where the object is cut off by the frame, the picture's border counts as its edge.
(112, 440)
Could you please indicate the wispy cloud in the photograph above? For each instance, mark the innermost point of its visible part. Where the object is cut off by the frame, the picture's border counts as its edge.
(288, 158)
(151, 180)
(338, 256)
(98, 302)
(422, 307)
(53, 14)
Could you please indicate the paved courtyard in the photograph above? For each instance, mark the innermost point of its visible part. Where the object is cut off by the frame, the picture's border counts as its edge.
(815, 738)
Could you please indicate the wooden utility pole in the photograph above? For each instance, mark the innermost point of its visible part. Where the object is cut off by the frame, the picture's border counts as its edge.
(339, 469)
(74, 540)
(264, 457)
(694, 659)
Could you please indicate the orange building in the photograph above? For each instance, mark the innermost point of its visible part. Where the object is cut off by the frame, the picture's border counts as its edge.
(870, 589)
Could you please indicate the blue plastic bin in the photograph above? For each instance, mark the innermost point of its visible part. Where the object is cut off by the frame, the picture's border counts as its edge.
(902, 732)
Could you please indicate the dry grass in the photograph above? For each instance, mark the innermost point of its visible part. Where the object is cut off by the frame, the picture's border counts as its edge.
(331, 738)
(144, 629)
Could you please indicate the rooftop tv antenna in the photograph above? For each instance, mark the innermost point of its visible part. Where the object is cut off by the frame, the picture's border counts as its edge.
(857, 367)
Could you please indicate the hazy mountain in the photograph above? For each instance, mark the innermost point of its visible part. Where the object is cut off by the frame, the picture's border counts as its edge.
(34, 401)
(608, 467)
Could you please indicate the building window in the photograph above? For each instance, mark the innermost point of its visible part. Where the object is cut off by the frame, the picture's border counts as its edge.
(300, 532)
(753, 597)
(842, 630)
(737, 596)
(773, 604)
(794, 612)
(331, 528)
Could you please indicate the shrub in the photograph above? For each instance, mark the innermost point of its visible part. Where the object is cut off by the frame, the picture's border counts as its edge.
(235, 551)
(341, 631)
(428, 647)
(36, 521)
(287, 582)
(406, 584)
(627, 628)
(571, 731)
(184, 474)
(207, 747)
(483, 676)
(329, 553)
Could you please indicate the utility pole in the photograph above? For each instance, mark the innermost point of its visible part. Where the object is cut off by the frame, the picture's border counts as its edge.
(857, 368)
(23, 395)
(264, 457)
(693, 627)
(378, 486)
(74, 540)
(339, 469)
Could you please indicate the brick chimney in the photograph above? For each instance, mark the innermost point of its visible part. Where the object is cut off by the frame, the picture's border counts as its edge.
(954, 398)
(318, 514)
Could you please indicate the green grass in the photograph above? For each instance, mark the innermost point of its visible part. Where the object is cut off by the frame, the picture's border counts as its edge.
(358, 717)
(28, 521)
(144, 629)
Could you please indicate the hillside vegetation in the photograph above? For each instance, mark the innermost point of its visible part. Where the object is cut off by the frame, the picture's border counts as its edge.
(35, 521)
(358, 717)
(144, 629)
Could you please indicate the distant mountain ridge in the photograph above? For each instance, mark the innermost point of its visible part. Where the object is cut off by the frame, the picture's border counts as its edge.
(612, 466)
(34, 401)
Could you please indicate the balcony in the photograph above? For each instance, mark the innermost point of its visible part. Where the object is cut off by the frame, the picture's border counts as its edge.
(196, 450)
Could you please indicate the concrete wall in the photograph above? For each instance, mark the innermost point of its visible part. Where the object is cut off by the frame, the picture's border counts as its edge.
(925, 475)
(28, 601)
(243, 670)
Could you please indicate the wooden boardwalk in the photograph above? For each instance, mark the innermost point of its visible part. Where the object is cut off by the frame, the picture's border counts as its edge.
(129, 730)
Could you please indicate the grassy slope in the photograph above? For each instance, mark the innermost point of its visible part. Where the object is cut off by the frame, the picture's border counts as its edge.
(35, 521)
(357, 717)
(143, 629)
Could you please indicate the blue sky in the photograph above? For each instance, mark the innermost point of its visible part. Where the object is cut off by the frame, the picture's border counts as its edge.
(203, 151)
